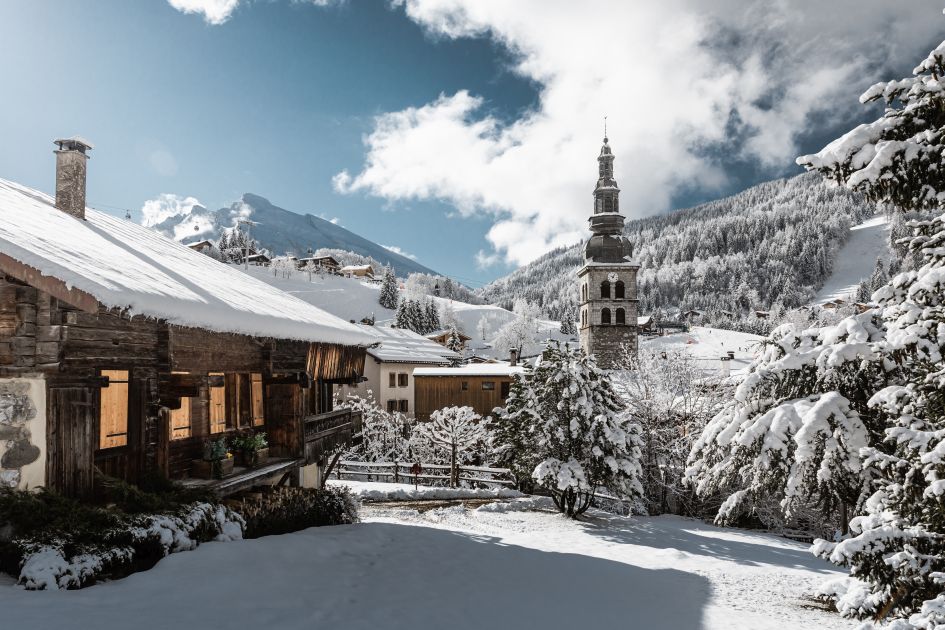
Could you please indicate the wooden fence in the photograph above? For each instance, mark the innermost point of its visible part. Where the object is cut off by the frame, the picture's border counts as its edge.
(431, 474)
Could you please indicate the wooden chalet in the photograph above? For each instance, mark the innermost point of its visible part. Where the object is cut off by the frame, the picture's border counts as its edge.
(122, 351)
(482, 386)
(328, 263)
(442, 337)
(358, 271)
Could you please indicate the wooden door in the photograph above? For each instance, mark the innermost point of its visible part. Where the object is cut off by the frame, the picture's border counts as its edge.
(283, 420)
(72, 436)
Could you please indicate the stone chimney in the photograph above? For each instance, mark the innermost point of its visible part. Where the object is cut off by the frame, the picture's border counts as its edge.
(513, 357)
(71, 158)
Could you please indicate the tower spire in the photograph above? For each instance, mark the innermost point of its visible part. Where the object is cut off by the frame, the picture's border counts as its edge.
(605, 129)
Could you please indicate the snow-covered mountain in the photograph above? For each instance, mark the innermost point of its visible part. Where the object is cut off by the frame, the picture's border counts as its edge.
(775, 243)
(278, 230)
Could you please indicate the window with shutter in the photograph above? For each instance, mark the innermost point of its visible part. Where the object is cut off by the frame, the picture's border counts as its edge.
(180, 419)
(402, 380)
(256, 399)
(113, 410)
(403, 406)
(218, 406)
(392, 381)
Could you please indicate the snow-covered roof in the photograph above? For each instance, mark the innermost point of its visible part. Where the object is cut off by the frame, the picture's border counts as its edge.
(643, 320)
(475, 369)
(405, 346)
(125, 265)
(354, 268)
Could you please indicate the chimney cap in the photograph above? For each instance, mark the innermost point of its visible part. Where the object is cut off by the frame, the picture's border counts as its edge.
(75, 143)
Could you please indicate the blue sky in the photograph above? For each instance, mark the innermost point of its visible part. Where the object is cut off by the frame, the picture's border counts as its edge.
(459, 131)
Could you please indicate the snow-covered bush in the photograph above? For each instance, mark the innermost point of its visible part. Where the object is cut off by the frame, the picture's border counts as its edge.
(564, 420)
(283, 510)
(52, 542)
(385, 435)
(670, 397)
(458, 430)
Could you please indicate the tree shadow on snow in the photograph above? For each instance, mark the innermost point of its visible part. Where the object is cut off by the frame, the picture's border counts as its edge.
(377, 576)
(692, 536)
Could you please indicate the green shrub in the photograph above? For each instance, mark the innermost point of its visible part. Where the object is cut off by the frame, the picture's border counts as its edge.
(284, 510)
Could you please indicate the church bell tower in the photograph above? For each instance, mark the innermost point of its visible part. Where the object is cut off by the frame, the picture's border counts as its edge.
(608, 279)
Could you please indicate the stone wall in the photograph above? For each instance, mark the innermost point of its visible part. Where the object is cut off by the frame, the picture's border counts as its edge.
(607, 343)
(22, 433)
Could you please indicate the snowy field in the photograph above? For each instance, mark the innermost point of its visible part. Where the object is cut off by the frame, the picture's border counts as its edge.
(856, 259)
(457, 568)
(707, 346)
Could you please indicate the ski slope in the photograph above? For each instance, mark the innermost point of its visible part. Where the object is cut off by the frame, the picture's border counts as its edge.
(856, 259)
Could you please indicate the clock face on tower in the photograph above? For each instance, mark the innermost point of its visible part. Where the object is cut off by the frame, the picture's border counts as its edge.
(612, 276)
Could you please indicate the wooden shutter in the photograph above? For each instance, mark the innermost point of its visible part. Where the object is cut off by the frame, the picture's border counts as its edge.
(113, 410)
(218, 406)
(181, 419)
(256, 394)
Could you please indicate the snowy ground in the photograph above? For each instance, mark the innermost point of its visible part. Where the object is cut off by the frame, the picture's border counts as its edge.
(459, 569)
(856, 259)
(708, 345)
(381, 491)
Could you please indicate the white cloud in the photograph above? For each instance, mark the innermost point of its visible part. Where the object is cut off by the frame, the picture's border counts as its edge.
(679, 79)
(397, 250)
(177, 217)
(217, 12)
(213, 11)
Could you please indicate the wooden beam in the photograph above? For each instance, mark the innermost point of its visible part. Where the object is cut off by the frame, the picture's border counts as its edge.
(50, 284)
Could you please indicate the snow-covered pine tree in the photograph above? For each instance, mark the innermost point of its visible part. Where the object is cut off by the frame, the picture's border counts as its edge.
(389, 296)
(416, 317)
(568, 326)
(578, 432)
(454, 342)
(862, 403)
(433, 317)
(458, 429)
(400, 320)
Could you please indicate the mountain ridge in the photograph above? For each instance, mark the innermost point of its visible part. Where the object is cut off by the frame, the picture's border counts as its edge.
(280, 231)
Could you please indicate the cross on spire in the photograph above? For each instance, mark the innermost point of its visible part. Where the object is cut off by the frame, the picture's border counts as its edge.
(605, 128)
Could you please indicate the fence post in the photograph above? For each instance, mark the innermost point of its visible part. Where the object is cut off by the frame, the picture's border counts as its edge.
(396, 472)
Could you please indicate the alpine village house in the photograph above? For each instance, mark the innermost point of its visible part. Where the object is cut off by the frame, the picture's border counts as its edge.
(121, 351)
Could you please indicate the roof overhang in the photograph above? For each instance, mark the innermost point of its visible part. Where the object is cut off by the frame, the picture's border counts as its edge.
(50, 284)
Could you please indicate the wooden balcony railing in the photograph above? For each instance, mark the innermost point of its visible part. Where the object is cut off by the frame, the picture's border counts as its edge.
(325, 432)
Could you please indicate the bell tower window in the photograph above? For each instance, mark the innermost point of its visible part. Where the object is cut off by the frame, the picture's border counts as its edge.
(605, 289)
(605, 316)
(619, 290)
(621, 317)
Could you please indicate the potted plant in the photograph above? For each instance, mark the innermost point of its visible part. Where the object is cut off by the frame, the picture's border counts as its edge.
(251, 449)
(217, 461)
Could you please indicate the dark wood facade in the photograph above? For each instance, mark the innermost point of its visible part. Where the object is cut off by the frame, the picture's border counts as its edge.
(48, 330)
(481, 392)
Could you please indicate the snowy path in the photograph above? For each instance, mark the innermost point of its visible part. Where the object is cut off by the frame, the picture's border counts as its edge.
(459, 569)
(856, 259)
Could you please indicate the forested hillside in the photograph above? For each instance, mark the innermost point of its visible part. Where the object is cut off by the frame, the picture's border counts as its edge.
(774, 243)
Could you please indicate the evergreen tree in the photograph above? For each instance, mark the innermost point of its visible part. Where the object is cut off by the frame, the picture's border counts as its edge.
(454, 342)
(878, 379)
(416, 317)
(389, 296)
(401, 319)
(568, 326)
(577, 431)
(433, 317)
